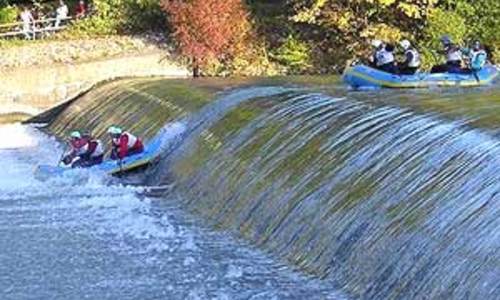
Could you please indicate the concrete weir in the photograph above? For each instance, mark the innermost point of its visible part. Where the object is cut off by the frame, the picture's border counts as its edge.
(30, 90)
(385, 198)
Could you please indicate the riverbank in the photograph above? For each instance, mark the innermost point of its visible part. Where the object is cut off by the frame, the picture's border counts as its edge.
(36, 77)
(23, 54)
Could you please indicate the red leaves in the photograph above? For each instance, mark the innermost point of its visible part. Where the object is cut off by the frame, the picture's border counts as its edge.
(207, 28)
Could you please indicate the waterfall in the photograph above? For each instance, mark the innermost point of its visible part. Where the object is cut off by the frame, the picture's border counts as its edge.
(386, 201)
(388, 195)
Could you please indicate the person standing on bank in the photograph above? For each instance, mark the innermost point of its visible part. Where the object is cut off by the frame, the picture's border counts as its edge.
(61, 14)
(28, 23)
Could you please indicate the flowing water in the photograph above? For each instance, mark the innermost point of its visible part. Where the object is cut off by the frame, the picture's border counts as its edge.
(393, 195)
(379, 195)
(72, 239)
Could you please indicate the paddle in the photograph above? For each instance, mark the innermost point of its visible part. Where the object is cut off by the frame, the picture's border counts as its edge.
(115, 153)
(474, 72)
(120, 163)
(63, 153)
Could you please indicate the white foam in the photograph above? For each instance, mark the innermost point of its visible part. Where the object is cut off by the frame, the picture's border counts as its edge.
(197, 294)
(14, 136)
(114, 209)
(170, 133)
(234, 271)
(21, 148)
(189, 243)
(188, 261)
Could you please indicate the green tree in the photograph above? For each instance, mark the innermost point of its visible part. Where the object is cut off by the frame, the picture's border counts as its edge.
(483, 21)
(8, 14)
(118, 16)
(295, 55)
(441, 22)
(350, 25)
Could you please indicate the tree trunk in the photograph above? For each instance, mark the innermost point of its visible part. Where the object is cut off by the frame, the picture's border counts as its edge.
(196, 68)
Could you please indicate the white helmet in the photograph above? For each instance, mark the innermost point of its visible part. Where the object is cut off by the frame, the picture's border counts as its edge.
(75, 134)
(405, 44)
(114, 130)
(376, 43)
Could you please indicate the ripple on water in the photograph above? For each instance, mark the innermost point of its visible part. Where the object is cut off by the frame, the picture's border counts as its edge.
(62, 240)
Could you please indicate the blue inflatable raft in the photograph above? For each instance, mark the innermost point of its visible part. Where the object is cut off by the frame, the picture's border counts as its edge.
(152, 151)
(362, 76)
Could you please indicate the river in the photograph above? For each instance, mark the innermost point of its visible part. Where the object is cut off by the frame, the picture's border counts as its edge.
(83, 238)
(389, 194)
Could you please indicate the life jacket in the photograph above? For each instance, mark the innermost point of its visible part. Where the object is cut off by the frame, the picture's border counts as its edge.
(87, 146)
(132, 140)
(126, 142)
(78, 146)
(384, 57)
(478, 59)
(373, 57)
(453, 54)
(95, 148)
(415, 58)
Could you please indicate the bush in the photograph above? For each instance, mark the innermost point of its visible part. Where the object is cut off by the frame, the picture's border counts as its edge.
(8, 14)
(120, 16)
(208, 30)
(483, 19)
(252, 61)
(295, 55)
(441, 22)
(382, 32)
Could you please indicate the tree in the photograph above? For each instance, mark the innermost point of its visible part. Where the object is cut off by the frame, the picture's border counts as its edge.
(207, 29)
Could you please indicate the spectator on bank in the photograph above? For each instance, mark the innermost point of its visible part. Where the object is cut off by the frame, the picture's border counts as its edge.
(61, 13)
(81, 9)
(38, 16)
(28, 23)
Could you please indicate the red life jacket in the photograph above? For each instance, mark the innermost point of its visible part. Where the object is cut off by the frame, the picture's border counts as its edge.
(86, 146)
(78, 146)
(127, 143)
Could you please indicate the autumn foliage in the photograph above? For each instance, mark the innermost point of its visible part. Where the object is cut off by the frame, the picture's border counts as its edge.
(207, 29)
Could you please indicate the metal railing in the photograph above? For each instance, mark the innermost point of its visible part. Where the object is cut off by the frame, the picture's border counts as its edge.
(37, 28)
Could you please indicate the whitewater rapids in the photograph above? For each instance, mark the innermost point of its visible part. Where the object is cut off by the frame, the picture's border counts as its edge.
(64, 239)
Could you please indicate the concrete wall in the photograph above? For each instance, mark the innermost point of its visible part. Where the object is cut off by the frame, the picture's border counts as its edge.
(33, 89)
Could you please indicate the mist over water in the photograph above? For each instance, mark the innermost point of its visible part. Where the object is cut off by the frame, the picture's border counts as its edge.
(70, 239)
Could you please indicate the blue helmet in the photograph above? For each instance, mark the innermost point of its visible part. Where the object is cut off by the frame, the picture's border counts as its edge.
(446, 40)
(476, 45)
